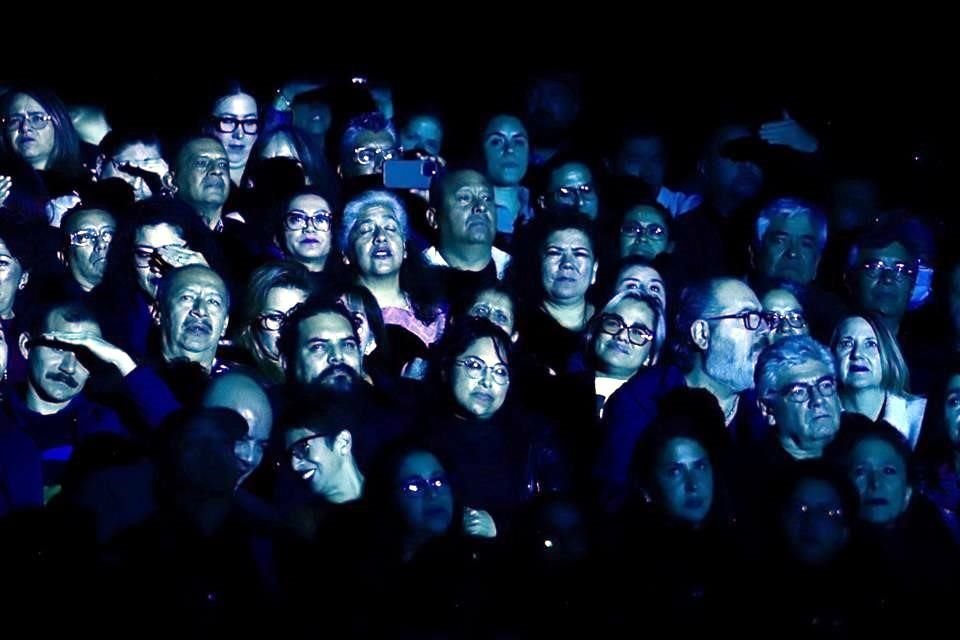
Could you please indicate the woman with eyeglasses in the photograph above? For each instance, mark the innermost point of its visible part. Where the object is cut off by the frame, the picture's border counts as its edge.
(373, 241)
(874, 379)
(504, 453)
(235, 121)
(304, 230)
(274, 290)
(785, 316)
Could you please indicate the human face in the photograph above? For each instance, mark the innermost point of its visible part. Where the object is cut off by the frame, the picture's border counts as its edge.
(567, 265)
(423, 494)
(202, 173)
(372, 149)
(506, 149)
(951, 409)
(644, 233)
(239, 112)
(810, 425)
(310, 245)
(423, 133)
(857, 351)
(571, 187)
(314, 461)
(483, 396)
(790, 249)
(785, 307)
(880, 475)
(643, 158)
(642, 278)
(193, 314)
(146, 239)
(12, 279)
(814, 521)
(616, 355)
(141, 156)
(89, 235)
(468, 216)
(326, 343)
(377, 242)
(733, 349)
(495, 307)
(276, 306)
(33, 143)
(882, 291)
(56, 375)
(683, 476)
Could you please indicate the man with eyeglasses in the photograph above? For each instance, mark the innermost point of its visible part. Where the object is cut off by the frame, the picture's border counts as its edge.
(882, 271)
(125, 154)
(570, 186)
(720, 330)
(796, 382)
(202, 178)
(785, 316)
(368, 141)
(87, 234)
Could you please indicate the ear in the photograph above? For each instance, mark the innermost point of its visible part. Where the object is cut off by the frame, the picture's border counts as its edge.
(98, 165)
(700, 334)
(514, 337)
(542, 203)
(766, 412)
(346, 259)
(404, 249)
(22, 343)
(432, 218)
(909, 494)
(593, 278)
(343, 445)
(24, 279)
(62, 257)
(340, 171)
(226, 323)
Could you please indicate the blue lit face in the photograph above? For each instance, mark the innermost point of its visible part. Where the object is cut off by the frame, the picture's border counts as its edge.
(423, 494)
(506, 149)
(814, 522)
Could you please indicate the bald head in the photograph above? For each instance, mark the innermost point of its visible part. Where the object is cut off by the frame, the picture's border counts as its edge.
(242, 394)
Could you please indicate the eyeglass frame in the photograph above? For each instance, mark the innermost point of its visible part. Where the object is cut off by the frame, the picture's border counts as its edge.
(481, 373)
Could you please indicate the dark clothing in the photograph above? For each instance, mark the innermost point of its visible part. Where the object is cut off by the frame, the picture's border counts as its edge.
(551, 346)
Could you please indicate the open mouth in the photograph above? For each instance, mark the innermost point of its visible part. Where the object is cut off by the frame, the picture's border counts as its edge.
(859, 368)
(198, 328)
(876, 502)
(380, 254)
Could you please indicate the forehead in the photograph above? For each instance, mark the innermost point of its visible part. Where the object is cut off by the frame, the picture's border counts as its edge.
(857, 326)
(157, 235)
(462, 179)
(797, 224)
(4, 251)
(505, 125)
(204, 147)
(494, 299)
(278, 142)
(632, 309)
(779, 300)
(197, 279)
(24, 103)
(380, 139)
(484, 349)
(138, 151)
(238, 104)
(677, 449)
(297, 433)
(91, 218)
(644, 213)
(283, 298)
(425, 124)
(735, 295)
(325, 325)
(816, 490)
(309, 202)
(639, 272)
(419, 463)
(377, 212)
(568, 238)
(806, 371)
(875, 448)
(573, 173)
(954, 382)
(643, 145)
(893, 252)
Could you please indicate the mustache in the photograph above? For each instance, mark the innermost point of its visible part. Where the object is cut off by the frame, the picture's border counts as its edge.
(68, 380)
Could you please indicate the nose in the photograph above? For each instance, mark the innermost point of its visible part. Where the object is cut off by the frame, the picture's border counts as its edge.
(69, 362)
(886, 276)
(873, 480)
(238, 133)
(379, 234)
(216, 168)
(486, 380)
(199, 307)
(691, 484)
(479, 205)
(335, 355)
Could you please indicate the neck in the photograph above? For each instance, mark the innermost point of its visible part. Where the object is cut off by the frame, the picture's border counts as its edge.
(796, 452)
(40, 164)
(350, 487)
(314, 265)
(386, 289)
(471, 257)
(571, 314)
(210, 214)
(892, 323)
(616, 373)
(727, 398)
(203, 358)
(236, 173)
(864, 401)
(38, 405)
(6, 314)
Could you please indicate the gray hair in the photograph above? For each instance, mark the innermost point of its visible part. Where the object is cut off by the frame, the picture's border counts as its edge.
(356, 207)
(792, 351)
(788, 208)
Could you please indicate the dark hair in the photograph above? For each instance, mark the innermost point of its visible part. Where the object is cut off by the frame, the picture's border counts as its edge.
(935, 447)
(70, 310)
(461, 335)
(65, 156)
(290, 331)
(273, 275)
(854, 429)
(322, 419)
(20, 238)
(119, 139)
(696, 301)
